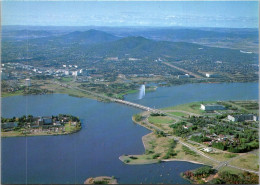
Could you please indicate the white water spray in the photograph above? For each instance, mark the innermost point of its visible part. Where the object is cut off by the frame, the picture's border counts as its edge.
(141, 92)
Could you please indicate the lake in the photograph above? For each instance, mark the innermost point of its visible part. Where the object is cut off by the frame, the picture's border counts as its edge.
(107, 132)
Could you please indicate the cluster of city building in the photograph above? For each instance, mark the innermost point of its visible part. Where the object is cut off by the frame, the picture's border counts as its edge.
(11, 71)
(232, 117)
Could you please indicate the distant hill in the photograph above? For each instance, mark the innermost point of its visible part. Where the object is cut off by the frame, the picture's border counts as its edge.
(25, 34)
(92, 43)
(141, 47)
(89, 37)
(85, 38)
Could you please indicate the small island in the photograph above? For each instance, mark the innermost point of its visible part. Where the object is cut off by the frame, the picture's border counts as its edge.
(101, 180)
(38, 126)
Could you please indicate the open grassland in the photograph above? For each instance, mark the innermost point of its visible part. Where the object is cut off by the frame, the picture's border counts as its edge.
(66, 79)
(155, 149)
(188, 155)
(16, 93)
(160, 120)
(12, 134)
(189, 107)
(222, 156)
(247, 161)
(160, 149)
(231, 170)
(180, 114)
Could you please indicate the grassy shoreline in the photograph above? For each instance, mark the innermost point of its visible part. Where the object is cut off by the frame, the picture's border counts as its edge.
(147, 158)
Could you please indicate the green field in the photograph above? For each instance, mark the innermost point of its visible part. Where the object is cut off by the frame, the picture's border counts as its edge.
(66, 79)
(189, 107)
(16, 93)
(160, 120)
(248, 161)
(180, 114)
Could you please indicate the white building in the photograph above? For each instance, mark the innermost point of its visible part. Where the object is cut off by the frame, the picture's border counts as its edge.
(211, 107)
(66, 72)
(255, 118)
(183, 76)
(207, 149)
(242, 117)
(208, 75)
(74, 73)
(27, 82)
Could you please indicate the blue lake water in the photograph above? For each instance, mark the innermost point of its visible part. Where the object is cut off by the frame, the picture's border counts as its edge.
(107, 133)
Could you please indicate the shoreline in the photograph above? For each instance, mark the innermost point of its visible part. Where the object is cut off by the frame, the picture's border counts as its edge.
(98, 99)
(190, 161)
(163, 160)
(32, 135)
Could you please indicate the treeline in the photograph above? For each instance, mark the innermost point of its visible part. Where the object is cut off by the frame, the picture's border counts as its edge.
(241, 178)
(197, 175)
(201, 138)
(157, 114)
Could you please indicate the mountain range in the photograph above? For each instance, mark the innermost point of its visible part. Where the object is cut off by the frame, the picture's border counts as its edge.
(94, 43)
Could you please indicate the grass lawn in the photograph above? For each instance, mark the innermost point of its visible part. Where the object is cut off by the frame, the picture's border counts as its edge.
(180, 114)
(155, 149)
(231, 170)
(160, 120)
(138, 159)
(66, 79)
(248, 161)
(69, 128)
(221, 156)
(16, 93)
(189, 107)
(11, 134)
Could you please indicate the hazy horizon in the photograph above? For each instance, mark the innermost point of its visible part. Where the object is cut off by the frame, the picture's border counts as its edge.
(198, 14)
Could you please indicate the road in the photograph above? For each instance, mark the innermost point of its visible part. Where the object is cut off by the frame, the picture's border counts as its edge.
(220, 164)
(183, 70)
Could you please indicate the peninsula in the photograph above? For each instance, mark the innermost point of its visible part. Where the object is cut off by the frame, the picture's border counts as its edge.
(222, 135)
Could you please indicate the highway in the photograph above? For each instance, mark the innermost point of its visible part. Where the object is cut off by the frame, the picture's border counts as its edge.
(183, 70)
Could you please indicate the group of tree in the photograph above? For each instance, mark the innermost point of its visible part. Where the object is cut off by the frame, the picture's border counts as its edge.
(201, 138)
(179, 130)
(198, 174)
(157, 114)
(226, 177)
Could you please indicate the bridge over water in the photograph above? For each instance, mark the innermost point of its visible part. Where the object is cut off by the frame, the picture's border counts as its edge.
(139, 106)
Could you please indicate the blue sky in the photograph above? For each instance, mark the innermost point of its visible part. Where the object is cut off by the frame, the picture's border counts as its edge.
(238, 14)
